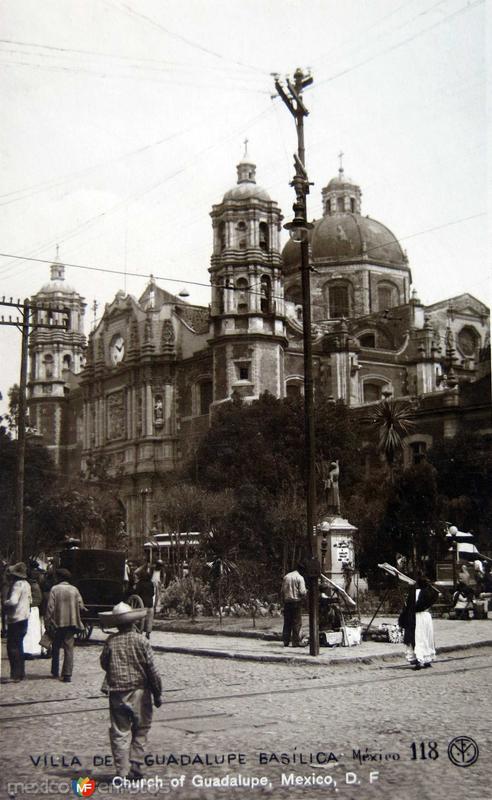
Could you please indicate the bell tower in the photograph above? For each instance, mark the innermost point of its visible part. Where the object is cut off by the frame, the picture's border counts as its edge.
(56, 356)
(247, 313)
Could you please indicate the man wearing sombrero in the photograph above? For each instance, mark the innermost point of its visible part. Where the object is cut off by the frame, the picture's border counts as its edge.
(132, 680)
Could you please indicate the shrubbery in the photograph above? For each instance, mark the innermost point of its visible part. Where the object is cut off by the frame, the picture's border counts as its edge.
(187, 596)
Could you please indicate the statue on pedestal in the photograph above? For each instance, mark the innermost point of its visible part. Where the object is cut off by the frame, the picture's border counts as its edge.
(330, 473)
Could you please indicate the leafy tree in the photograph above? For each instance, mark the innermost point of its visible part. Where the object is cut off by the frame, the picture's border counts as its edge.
(464, 477)
(40, 473)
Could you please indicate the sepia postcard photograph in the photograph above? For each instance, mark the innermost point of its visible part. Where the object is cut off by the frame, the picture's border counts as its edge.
(245, 400)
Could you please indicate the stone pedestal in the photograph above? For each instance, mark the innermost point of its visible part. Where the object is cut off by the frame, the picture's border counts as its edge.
(336, 547)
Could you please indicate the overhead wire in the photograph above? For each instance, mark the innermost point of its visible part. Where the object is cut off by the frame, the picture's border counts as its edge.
(470, 6)
(132, 60)
(195, 45)
(106, 75)
(92, 220)
(355, 46)
(181, 280)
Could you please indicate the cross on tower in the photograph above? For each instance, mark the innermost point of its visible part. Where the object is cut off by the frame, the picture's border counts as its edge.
(246, 148)
(340, 156)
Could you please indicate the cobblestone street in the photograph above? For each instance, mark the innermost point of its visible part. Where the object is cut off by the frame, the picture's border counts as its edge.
(376, 717)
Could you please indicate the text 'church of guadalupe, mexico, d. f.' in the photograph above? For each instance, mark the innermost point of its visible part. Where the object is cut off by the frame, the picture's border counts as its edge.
(140, 391)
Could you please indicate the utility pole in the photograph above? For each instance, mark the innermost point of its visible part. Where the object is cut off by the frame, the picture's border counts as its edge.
(298, 230)
(23, 323)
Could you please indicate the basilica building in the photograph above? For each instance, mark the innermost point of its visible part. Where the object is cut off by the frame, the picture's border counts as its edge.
(138, 394)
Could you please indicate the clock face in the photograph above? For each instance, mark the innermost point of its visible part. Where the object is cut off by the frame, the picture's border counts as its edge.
(117, 349)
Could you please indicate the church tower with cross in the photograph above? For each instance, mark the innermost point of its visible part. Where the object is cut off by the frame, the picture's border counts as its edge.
(56, 358)
(247, 312)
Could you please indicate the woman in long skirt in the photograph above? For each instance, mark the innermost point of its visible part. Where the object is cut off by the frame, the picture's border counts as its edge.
(417, 623)
(35, 626)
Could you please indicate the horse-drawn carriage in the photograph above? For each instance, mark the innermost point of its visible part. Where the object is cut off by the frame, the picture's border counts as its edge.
(100, 577)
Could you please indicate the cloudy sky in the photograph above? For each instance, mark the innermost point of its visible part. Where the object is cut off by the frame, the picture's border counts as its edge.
(123, 121)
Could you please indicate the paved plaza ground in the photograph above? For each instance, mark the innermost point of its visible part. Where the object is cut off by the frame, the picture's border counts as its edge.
(350, 729)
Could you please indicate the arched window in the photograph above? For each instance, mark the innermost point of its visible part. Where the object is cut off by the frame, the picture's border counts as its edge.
(241, 229)
(328, 206)
(340, 204)
(265, 294)
(372, 392)
(368, 340)
(352, 204)
(206, 395)
(222, 236)
(294, 388)
(264, 238)
(294, 294)
(48, 365)
(374, 389)
(387, 296)
(339, 296)
(67, 361)
(242, 295)
(419, 450)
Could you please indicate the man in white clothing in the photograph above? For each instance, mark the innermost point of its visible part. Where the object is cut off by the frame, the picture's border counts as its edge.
(293, 590)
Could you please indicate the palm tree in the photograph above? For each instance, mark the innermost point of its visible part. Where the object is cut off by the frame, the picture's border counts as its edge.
(394, 422)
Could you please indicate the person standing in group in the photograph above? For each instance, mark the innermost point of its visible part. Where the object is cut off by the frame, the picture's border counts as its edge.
(32, 647)
(293, 590)
(62, 621)
(145, 590)
(18, 607)
(157, 580)
(416, 621)
(132, 681)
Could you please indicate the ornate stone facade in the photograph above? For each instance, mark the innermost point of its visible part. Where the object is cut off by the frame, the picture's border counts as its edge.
(157, 367)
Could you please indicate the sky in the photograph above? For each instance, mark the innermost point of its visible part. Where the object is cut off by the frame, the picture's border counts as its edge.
(123, 122)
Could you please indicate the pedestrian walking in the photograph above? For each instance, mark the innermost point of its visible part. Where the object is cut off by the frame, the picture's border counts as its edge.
(62, 621)
(293, 590)
(157, 580)
(132, 681)
(145, 590)
(416, 621)
(18, 606)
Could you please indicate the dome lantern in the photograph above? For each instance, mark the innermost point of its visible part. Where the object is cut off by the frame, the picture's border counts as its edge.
(341, 195)
(246, 170)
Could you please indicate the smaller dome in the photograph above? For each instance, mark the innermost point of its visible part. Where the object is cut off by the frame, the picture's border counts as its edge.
(57, 284)
(247, 191)
(341, 182)
(246, 188)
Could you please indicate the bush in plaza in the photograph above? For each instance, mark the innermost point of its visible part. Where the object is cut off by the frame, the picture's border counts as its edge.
(186, 596)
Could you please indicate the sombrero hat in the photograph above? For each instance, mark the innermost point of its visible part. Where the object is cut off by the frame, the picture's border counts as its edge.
(122, 614)
(18, 570)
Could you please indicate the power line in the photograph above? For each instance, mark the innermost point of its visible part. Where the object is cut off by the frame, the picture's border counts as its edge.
(105, 75)
(409, 39)
(133, 61)
(92, 220)
(110, 270)
(123, 7)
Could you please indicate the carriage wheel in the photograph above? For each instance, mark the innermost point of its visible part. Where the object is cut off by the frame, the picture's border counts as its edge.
(85, 635)
(136, 602)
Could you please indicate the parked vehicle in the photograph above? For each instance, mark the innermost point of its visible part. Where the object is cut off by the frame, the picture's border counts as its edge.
(99, 575)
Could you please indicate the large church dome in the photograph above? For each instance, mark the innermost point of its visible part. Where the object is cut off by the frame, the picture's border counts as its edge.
(343, 235)
(349, 237)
